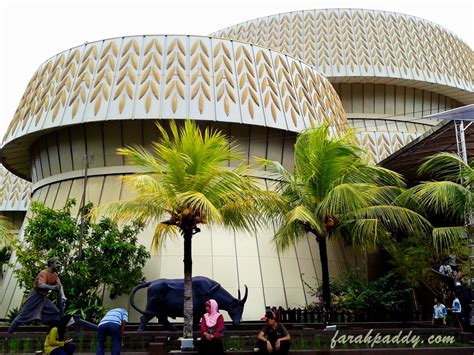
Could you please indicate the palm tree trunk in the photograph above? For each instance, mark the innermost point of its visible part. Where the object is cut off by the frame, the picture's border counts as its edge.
(188, 286)
(323, 256)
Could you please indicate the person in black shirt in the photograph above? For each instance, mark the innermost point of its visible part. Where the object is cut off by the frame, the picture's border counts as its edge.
(273, 338)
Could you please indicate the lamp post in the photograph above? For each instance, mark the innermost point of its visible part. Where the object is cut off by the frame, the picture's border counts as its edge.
(87, 160)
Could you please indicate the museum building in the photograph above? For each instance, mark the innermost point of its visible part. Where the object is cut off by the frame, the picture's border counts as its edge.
(261, 82)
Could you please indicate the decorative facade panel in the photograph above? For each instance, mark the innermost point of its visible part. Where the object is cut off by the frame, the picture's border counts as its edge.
(367, 45)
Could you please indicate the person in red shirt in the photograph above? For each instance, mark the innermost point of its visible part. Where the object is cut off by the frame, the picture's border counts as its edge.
(37, 306)
(212, 326)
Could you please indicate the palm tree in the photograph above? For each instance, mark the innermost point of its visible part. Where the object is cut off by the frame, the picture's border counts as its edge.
(6, 230)
(449, 196)
(6, 238)
(333, 192)
(184, 182)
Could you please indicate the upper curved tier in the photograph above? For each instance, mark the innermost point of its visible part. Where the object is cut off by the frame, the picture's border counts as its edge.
(169, 77)
(356, 45)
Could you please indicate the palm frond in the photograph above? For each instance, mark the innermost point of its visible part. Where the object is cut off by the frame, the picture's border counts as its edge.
(442, 197)
(141, 157)
(448, 237)
(199, 201)
(367, 233)
(6, 230)
(142, 208)
(361, 172)
(446, 166)
(393, 218)
(288, 234)
(295, 224)
(275, 170)
(161, 233)
(345, 198)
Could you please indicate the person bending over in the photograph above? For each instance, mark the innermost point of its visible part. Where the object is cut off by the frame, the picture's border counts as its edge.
(112, 324)
(273, 338)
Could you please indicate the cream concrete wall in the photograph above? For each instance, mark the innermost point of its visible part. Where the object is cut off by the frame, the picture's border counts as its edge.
(232, 258)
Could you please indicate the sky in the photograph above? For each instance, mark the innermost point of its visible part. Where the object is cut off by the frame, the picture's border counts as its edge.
(33, 31)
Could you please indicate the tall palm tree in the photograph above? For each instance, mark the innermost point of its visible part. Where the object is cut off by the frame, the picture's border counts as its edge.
(333, 192)
(448, 195)
(184, 182)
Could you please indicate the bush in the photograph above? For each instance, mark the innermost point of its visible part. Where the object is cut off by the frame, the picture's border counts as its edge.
(111, 258)
(380, 299)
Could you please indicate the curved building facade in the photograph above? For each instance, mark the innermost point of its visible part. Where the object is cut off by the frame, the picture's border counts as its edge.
(104, 95)
(261, 83)
(14, 197)
(390, 70)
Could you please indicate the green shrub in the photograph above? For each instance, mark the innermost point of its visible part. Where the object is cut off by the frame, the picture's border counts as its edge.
(111, 257)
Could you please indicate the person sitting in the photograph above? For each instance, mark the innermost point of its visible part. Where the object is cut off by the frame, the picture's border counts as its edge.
(54, 343)
(212, 326)
(446, 269)
(273, 338)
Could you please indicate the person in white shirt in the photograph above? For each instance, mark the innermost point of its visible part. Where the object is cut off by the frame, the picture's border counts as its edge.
(112, 324)
(439, 313)
(446, 268)
(456, 309)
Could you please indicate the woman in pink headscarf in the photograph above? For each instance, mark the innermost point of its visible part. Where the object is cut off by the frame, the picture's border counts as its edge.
(212, 326)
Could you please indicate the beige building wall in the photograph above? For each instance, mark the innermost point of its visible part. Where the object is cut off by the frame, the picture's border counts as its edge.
(387, 117)
(232, 258)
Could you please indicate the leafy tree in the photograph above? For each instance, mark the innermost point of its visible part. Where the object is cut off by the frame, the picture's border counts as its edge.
(184, 182)
(111, 258)
(334, 193)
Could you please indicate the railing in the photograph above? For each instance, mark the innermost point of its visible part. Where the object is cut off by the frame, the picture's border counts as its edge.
(320, 315)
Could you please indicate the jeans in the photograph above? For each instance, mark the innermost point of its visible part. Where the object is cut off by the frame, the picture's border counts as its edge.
(67, 349)
(115, 331)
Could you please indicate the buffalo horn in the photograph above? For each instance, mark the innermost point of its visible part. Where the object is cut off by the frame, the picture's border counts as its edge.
(243, 300)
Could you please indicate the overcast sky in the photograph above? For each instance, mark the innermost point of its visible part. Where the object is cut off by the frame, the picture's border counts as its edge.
(33, 31)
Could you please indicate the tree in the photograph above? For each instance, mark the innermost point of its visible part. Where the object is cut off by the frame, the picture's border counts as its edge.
(111, 258)
(448, 200)
(184, 182)
(333, 192)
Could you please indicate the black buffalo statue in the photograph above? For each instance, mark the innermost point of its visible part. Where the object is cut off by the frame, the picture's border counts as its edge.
(165, 299)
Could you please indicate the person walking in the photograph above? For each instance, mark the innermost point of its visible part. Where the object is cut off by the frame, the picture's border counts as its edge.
(439, 313)
(37, 306)
(456, 309)
(113, 325)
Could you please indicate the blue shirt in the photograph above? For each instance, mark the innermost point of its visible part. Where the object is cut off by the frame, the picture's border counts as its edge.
(456, 306)
(439, 312)
(116, 316)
